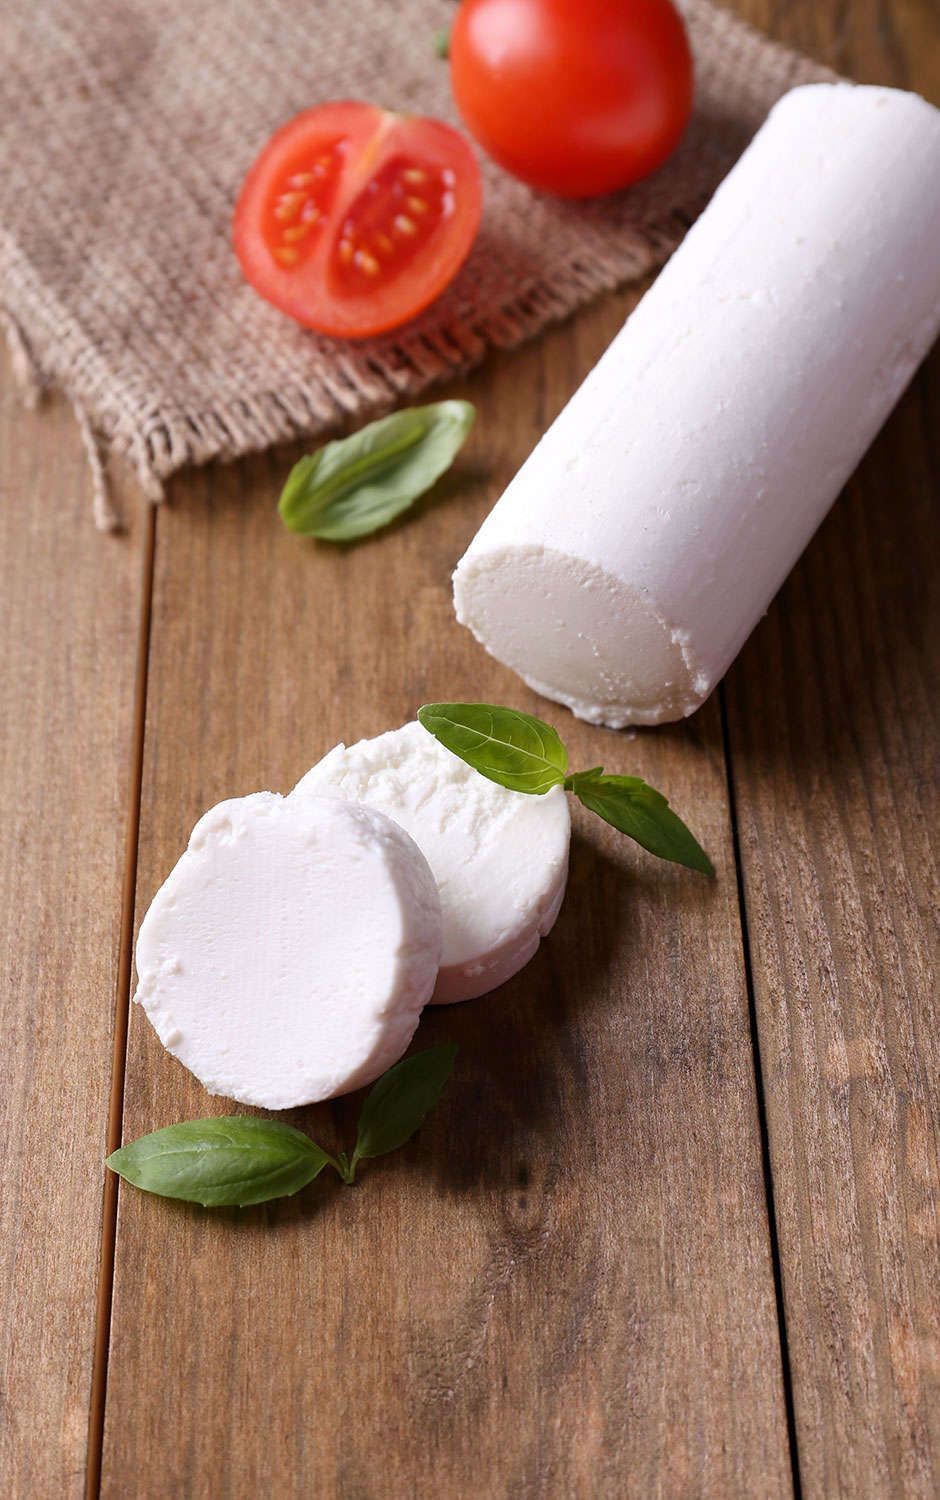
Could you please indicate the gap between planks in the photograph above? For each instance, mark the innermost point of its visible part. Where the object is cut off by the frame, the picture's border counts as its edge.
(776, 1263)
(99, 1383)
(99, 1373)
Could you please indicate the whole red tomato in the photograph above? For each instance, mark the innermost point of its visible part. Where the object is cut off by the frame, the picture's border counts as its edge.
(574, 96)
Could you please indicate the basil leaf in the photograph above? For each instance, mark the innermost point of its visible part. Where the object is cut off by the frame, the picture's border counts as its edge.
(636, 809)
(233, 1159)
(511, 748)
(396, 1105)
(354, 485)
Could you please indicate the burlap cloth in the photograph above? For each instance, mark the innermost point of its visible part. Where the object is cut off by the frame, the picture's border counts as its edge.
(126, 128)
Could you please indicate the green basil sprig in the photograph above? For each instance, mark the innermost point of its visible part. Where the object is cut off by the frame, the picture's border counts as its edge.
(357, 484)
(231, 1159)
(396, 1105)
(237, 1160)
(638, 810)
(526, 755)
(509, 747)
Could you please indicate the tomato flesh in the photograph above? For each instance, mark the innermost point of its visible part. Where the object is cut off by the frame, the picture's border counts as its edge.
(394, 218)
(294, 216)
(353, 219)
(574, 98)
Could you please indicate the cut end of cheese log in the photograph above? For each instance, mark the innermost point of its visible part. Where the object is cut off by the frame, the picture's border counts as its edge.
(576, 655)
(289, 954)
(641, 542)
(500, 858)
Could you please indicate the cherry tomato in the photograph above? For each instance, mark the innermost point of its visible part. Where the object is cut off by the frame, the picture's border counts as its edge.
(353, 219)
(574, 96)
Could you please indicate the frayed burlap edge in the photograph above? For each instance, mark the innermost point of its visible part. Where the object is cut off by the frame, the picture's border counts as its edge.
(169, 440)
(55, 353)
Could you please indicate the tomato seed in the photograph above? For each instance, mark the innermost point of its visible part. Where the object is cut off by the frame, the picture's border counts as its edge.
(378, 242)
(287, 205)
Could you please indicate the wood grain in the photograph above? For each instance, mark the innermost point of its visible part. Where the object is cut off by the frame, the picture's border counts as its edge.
(835, 773)
(68, 623)
(832, 713)
(564, 1287)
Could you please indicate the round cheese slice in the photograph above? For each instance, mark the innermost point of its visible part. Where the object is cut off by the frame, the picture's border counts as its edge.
(500, 858)
(289, 954)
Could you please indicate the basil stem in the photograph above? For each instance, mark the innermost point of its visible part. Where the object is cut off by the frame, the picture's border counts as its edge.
(524, 754)
(236, 1160)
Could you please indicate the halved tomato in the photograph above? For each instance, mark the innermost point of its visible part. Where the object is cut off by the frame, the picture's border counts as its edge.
(353, 219)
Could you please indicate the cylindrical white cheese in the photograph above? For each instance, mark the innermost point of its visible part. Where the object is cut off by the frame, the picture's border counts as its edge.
(500, 858)
(640, 543)
(289, 953)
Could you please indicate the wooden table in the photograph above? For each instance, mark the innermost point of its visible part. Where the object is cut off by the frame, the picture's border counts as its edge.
(673, 1230)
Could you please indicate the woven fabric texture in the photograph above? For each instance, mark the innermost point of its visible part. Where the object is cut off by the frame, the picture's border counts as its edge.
(126, 127)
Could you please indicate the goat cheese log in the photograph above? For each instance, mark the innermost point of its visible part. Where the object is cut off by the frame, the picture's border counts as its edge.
(638, 546)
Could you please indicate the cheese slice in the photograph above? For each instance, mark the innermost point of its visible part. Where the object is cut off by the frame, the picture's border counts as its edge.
(643, 539)
(500, 858)
(289, 954)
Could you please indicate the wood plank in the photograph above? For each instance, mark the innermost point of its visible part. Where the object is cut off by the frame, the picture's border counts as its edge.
(564, 1287)
(69, 615)
(833, 731)
(836, 777)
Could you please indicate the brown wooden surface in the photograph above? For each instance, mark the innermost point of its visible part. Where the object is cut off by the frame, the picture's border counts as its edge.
(69, 615)
(835, 773)
(567, 1286)
(833, 738)
(502, 1300)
